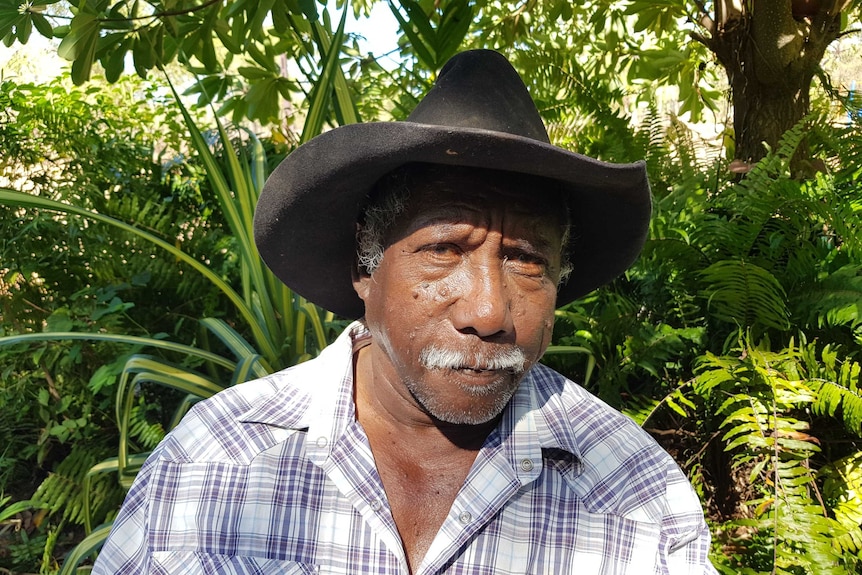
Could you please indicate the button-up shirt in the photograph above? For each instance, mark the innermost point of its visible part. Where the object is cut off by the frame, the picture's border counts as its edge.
(277, 476)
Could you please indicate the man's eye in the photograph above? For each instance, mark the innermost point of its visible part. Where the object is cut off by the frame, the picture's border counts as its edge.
(529, 264)
(528, 259)
(442, 249)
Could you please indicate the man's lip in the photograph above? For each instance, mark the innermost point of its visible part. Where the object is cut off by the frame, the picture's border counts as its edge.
(481, 370)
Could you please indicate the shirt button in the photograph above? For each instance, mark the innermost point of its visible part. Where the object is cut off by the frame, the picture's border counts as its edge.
(527, 464)
(465, 517)
(376, 505)
(322, 441)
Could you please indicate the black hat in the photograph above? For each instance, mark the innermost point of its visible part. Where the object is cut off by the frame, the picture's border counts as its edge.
(479, 114)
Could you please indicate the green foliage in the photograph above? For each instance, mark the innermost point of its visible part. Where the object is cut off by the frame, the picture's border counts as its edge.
(835, 382)
(735, 338)
(698, 343)
(62, 491)
(762, 393)
(433, 30)
(623, 50)
(745, 294)
(281, 327)
(62, 278)
(235, 45)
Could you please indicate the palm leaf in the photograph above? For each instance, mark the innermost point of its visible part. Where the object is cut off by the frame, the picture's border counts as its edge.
(21, 199)
(133, 340)
(87, 547)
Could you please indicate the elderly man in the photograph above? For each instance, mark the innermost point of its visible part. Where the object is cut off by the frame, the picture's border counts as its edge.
(427, 439)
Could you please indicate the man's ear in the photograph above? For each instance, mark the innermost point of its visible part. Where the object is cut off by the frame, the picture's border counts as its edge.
(361, 280)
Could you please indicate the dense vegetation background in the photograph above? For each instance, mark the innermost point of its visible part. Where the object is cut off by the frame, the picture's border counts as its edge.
(130, 288)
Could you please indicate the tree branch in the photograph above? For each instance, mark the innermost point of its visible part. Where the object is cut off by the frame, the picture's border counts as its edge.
(165, 14)
(705, 19)
(700, 38)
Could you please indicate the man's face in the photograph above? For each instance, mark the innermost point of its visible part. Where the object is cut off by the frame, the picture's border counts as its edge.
(463, 302)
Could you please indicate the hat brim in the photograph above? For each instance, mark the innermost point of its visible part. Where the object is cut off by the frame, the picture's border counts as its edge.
(305, 221)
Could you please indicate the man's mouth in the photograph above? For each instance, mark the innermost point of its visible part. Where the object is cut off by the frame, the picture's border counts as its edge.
(480, 370)
(510, 359)
(475, 369)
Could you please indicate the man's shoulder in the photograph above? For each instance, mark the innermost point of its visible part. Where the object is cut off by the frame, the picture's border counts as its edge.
(619, 467)
(240, 422)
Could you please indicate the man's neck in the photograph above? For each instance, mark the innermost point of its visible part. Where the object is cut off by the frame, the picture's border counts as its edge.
(422, 462)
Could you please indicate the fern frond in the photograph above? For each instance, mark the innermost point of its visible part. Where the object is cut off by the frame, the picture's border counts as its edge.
(835, 299)
(640, 408)
(836, 385)
(62, 491)
(745, 294)
(147, 434)
(765, 395)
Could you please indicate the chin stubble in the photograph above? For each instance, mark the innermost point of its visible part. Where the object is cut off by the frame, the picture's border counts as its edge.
(510, 362)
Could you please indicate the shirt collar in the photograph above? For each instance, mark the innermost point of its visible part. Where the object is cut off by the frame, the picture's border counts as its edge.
(311, 389)
(535, 426)
(319, 398)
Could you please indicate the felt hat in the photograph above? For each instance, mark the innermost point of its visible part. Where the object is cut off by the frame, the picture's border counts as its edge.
(479, 114)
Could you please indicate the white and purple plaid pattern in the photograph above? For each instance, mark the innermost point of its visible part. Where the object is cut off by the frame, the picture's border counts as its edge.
(277, 477)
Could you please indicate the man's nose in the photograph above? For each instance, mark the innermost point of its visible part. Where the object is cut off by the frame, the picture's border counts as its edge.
(484, 305)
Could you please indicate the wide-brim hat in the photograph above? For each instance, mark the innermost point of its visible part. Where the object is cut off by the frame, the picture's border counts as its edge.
(479, 114)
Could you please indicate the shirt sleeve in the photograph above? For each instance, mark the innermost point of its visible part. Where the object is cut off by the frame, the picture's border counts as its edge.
(127, 548)
(685, 538)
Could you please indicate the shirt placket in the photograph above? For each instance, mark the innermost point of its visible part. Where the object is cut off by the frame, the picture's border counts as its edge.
(500, 472)
(351, 469)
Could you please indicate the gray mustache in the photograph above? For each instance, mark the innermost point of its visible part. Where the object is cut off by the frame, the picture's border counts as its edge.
(509, 359)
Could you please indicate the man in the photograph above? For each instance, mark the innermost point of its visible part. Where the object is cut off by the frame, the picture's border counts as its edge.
(427, 438)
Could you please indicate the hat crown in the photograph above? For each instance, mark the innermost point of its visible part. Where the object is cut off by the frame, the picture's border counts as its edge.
(480, 89)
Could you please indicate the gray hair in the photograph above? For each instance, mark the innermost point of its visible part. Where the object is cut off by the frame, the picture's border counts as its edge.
(376, 222)
(388, 201)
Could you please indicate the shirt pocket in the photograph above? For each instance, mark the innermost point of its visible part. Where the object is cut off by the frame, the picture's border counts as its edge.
(196, 563)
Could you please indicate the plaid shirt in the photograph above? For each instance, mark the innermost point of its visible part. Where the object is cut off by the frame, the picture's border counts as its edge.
(277, 476)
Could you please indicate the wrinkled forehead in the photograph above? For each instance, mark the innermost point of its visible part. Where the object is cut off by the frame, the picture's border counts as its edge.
(453, 192)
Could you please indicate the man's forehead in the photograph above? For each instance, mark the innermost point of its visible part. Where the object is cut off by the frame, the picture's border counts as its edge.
(470, 204)
(462, 204)
(447, 189)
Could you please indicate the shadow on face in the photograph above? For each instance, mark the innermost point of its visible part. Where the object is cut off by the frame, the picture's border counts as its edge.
(417, 187)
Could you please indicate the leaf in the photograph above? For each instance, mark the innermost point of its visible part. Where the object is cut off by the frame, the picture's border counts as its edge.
(252, 73)
(309, 9)
(113, 58)
(454, 24)
(745, 294)
(59, 321)
(224, 33)
(79, 45)
(261, 12)
(417, 28)
(144, 51)
(10, 18)
(330, 75)
(25, 27)
(11, 197)
(132, 340)
(17, 507)
(89, 545)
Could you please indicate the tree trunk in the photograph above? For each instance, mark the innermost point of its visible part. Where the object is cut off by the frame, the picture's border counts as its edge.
(770, 50)
(765, 105)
